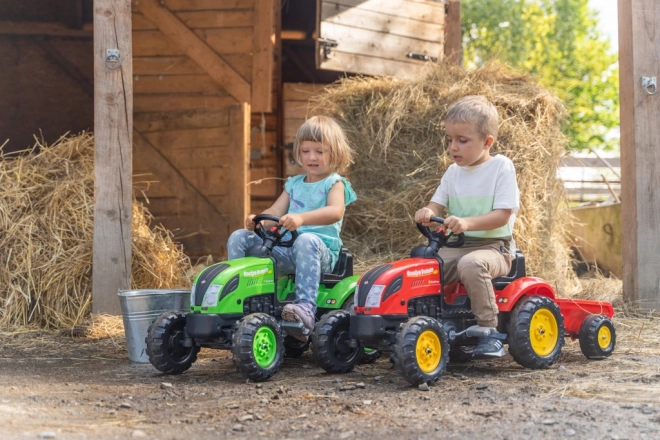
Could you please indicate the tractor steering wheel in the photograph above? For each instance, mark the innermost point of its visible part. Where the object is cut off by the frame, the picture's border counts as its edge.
(274, 234)
(439, 236)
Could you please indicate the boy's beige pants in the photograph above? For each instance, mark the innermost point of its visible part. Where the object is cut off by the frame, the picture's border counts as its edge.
(475, 267)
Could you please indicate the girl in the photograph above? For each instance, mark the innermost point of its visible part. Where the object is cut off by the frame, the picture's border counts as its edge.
(313, 204)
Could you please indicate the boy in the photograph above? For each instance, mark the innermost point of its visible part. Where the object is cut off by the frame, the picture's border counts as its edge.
(481, 197)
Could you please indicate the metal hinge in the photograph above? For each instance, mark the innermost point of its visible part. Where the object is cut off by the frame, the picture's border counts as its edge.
(421, 57)
(326, 47)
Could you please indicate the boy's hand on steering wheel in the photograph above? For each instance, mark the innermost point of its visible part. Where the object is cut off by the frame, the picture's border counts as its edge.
(456, 224)
(249, 222)
(291, 221)
(423, 216)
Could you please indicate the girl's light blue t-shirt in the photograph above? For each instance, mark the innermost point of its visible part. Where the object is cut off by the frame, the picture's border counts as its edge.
(304, 197)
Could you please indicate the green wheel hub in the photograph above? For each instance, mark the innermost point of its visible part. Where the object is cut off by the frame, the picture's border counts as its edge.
(264, 347)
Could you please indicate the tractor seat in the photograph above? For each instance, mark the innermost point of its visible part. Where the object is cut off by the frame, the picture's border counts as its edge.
(517, 271)
(343, 269)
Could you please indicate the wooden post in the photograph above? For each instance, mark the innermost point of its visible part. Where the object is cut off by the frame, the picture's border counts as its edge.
(453, 37)
(239, 172)
(639, 41)
(113, 137)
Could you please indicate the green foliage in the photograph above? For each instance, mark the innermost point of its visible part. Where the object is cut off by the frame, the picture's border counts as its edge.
(556, 41)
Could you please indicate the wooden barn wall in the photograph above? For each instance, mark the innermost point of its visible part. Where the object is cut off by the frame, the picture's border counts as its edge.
(297, 109)
(46, 87)
(190, 128)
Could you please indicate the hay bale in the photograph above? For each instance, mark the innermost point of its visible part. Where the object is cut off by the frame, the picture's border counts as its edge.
(397, 129)
(46, 237)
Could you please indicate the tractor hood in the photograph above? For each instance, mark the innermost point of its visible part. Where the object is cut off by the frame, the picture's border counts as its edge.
(231, 281)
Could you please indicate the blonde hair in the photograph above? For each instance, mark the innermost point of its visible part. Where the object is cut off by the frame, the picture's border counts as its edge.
(327, 132)
(477, 110)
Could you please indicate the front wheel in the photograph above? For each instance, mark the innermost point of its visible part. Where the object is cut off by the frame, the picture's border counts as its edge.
(258, 347)
(422, 350)
(330, 343)
(597, 337)
(536, 332)
(165, 344)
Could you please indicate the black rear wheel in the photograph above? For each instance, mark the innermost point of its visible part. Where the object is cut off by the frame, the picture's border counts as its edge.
(536, 332)
(597, 337)
(330, 343)
(371, 355)
(294, 348)
(258, 347)
(165, 344)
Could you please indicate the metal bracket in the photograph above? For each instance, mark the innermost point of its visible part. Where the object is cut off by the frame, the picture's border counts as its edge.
(327, 45)
(112, 59)
(421, 57)
(650, 84)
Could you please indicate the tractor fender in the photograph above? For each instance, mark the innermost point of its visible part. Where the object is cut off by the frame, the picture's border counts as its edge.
(335, 297)
(527, 286)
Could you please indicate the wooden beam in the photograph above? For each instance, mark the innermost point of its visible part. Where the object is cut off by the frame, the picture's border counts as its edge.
(239, 175)
(640, 153)
(44, 28)
(263, 41)
(183, 37)
(453, 38)
(59, 59)
(113, 128)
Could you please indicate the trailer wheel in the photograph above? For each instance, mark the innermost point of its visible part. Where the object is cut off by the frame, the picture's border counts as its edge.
(597, 337)
(165, 344)
(330, 343)
(258, 347)
(536, 332)
(421, 350)
(294, 348)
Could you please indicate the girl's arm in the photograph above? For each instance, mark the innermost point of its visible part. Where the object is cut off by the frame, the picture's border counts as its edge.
(329, 214)
(279, 208)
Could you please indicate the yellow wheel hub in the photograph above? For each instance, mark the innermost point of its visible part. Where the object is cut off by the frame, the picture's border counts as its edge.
(543, 332)
(604, 337)
(428, 351)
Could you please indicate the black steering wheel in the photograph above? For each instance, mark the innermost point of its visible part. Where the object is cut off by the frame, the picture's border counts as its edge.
(272, 236)
(439, 237)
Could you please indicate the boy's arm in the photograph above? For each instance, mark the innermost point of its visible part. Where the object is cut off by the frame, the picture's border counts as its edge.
(331, 213)
(423, 216)
(494, 219)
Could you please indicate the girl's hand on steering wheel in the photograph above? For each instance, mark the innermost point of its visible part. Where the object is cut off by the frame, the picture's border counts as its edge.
(291, 221)
(249, 222)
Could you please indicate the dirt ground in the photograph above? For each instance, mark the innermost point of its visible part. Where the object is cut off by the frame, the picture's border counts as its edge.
(57, 386)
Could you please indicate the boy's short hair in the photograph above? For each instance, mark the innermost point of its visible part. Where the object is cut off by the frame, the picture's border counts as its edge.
(326, 131)
(477, 110)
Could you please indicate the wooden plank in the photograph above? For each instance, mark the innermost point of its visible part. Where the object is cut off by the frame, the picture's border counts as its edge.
(182, 184)
(639, 40)
(209, 5)
(453, 38)
(201, 137)
(264, 182)
(218, 19)
(300, 91)
(230, 41)
(151, 103)
(51, 29)
(142, 23)
(195, 158)
(177, 120)
(113, 126)
(591, 162)
(379, 44)
(182, 65)
(239, 171)
(428, 11)
(263, 41)
(381, 22)
(197, 49)
(60, 59)
(368, 65)
(163, 84)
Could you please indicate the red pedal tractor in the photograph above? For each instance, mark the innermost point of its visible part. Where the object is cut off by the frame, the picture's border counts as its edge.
(406, 308)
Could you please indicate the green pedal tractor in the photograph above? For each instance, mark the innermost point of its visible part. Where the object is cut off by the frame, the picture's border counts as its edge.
(237, 305)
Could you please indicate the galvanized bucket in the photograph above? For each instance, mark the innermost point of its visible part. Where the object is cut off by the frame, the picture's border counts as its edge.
(140, 308)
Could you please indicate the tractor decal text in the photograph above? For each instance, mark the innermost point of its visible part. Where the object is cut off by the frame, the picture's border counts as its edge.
(421, 272)
(256, 273)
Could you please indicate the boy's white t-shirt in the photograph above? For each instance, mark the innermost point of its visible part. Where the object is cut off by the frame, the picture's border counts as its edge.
(476, 190)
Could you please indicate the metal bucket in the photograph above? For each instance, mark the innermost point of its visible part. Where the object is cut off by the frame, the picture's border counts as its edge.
(140, 308)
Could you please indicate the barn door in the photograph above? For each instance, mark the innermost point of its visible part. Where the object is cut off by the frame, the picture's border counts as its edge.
(379, 37)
